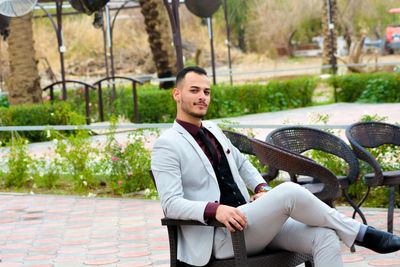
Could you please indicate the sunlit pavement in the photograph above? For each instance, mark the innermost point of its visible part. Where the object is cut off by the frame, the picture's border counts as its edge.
(48, 230)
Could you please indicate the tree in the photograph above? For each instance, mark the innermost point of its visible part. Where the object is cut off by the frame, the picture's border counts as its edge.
(24, 83)
(160, 39)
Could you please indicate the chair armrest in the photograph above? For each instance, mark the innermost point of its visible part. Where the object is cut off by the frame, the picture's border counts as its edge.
(294, 163)
(174, 222)
(364, 155)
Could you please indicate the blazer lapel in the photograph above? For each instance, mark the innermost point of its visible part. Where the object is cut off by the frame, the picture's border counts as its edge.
(185, 134)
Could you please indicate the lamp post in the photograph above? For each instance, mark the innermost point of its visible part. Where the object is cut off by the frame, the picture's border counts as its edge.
(228, 34)
(61, 46)
(332, 37)
(205, 9)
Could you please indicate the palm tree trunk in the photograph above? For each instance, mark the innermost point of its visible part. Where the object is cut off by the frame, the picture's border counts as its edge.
(327, 44)
(160, 39)
(24, 82)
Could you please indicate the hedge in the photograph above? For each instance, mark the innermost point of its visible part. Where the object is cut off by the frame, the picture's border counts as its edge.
(371, 88)
(60, 113)
(157, 106)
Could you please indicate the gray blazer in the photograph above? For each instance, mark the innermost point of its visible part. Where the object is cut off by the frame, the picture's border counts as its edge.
(186, 182)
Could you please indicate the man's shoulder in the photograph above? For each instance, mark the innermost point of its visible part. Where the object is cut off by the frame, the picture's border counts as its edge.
(169, 134)
(210, 124)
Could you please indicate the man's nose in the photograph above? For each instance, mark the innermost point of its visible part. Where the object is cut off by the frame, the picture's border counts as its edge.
(202, 95)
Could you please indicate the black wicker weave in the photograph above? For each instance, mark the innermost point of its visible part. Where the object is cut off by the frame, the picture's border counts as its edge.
(300, 139)
(372, 134)
(266, 258)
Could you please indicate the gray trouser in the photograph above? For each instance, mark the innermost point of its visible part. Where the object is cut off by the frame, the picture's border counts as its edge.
(290, 217)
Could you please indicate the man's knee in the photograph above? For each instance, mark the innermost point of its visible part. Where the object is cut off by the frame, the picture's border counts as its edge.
(289, 188)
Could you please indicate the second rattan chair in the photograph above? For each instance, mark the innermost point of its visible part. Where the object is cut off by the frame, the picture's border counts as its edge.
(372, 134)
(300, 139)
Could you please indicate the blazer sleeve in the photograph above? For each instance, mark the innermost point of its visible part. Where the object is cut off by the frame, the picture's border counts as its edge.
(166, 167)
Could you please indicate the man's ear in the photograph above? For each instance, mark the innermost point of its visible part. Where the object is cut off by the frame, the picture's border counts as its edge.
(176, 93)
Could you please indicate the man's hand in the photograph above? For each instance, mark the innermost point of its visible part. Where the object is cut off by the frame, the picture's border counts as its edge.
(255, 196)
(231, 217)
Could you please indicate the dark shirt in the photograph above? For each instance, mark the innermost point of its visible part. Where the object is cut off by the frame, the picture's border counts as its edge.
(211, 207)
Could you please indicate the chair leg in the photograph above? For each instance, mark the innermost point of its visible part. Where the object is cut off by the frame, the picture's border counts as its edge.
(362, 201)
(355, 207)
(392, 195)
(173, 243)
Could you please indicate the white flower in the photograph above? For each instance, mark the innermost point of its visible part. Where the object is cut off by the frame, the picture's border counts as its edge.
(48, 134)
(147, 192)
(81, 177)
(26, 142)
(84, 183)
(52, 114)
(55, 141)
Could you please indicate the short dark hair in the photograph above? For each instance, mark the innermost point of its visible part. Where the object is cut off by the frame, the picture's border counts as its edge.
(181, 75)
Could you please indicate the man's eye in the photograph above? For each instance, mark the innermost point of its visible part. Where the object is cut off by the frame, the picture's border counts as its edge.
(207, 92)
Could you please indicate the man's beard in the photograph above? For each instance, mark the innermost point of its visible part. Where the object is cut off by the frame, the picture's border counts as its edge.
(193, 114)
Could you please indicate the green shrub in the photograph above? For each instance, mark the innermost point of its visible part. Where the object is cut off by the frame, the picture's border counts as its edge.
(128, 164)
(77, 165)
(19, 163)
(4, 101)
(60, 113)
(372, 88)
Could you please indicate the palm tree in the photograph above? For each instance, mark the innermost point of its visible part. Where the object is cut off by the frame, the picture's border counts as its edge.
(160, 39)
(329, 41)
(24, 83)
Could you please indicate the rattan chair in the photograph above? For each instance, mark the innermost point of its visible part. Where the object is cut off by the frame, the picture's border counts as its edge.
(372, 134)
(241, 259)
(300, 139)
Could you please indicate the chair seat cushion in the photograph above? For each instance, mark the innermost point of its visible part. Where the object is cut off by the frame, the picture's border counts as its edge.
(305, 180)
(314, 187)
(389, 178)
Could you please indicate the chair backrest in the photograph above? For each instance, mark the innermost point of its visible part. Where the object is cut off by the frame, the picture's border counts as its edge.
(291, 162)
(372, 134)
(300, 139)
(240, 141)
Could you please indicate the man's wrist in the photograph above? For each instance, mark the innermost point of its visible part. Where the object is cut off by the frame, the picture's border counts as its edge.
(258, 188)
(264, 188)
(211, 210)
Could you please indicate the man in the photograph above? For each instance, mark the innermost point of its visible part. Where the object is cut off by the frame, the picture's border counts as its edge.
(201, 175)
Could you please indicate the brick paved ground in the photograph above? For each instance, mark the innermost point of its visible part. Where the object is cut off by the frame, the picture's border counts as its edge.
(47, 230)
